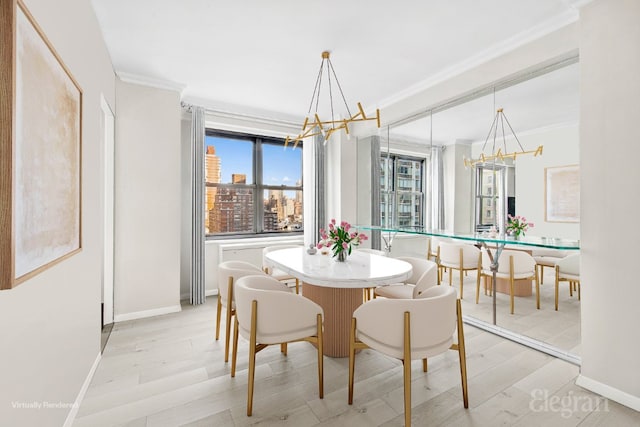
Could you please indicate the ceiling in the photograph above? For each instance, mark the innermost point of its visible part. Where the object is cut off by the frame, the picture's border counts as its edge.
(256, 55)
(549, 100)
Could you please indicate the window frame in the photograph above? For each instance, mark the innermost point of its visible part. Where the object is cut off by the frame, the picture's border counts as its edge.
(257, 186)
(391, 160)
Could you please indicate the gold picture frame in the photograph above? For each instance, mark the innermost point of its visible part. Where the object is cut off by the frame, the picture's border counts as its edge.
(40, 151)
(562, 194)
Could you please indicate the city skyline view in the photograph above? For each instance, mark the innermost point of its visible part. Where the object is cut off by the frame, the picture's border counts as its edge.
(280, 166)
(230, 160)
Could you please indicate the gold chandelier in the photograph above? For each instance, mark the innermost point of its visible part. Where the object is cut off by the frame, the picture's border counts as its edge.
(499, 121)
(315, 126)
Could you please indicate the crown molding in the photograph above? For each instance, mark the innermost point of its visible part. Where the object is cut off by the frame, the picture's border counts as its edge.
(486, 55)
(150, 81)
(542, 129)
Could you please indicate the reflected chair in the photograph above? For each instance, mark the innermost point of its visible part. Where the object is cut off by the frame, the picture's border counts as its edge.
(228, 273)
(547, 258)
(369, 292)
(410, 329)
(512, 265)
(276, 273)
(268, 313)
(459, 256)
(568, 270)
(424, 275)
(433, 244)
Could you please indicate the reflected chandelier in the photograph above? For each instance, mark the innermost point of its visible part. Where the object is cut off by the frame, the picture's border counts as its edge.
(499, 121)
(315, 126)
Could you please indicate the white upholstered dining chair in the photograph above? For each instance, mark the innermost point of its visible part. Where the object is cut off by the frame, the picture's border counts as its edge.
(267, 313)
(228, 273)
(568, 270)
(459, 256)
(512, 265)
(546, 258)
(424, 274)
(410, 329)
(276, 273)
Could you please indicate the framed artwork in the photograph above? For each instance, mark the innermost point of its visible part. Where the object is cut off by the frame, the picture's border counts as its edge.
(562, 194)
(40, 151)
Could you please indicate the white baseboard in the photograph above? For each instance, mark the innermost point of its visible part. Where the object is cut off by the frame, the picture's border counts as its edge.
(71, 417)
(609, 392)
(147, 313)
(187, 297)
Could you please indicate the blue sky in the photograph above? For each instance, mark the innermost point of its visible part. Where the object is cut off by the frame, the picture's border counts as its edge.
(281, 167)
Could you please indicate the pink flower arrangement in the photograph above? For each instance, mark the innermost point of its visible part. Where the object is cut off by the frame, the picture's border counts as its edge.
(340, 238)
(517, 225)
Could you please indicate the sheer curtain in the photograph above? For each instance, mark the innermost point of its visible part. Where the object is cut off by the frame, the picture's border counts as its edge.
(437, 189)
(320, 184)
(196, 276)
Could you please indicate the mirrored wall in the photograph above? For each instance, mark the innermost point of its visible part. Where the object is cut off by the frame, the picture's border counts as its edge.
(419, 179)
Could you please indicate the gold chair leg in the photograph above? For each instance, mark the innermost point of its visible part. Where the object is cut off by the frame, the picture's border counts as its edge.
(578, 291)
(570, 289)
(541, 274)
(511, 286)
(450, 275)
(252, 355)
(424, 365)
(352, 357)
(320, 357)
(461, 282)
(283, 348)
(537, 291)
(462, 356)
(234, 350)
(407, 368)
(478, 287)
(297, 286)
(218, 316)
(511, 282)
(557, 285)
(229, 315)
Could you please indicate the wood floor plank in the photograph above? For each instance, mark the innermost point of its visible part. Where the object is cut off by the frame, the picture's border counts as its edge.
(169, 371)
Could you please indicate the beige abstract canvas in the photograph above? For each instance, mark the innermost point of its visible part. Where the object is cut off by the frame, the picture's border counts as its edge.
(46, 154)
(562, 194)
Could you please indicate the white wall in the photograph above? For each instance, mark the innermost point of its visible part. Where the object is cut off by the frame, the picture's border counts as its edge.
(610, 201)
(50, 333)
(458, 209)
(561, 148)
(148, 198)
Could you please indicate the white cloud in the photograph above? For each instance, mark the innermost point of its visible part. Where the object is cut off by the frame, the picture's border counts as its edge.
(286, 179)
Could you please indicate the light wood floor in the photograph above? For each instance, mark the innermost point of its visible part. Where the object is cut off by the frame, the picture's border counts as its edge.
(169, 371)
(559, 328)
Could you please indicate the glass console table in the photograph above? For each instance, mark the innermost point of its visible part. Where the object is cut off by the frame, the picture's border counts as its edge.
(494, 244)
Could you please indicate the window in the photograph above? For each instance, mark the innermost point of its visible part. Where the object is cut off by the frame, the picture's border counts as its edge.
(253, 185)
(486, 198)
(401, 191)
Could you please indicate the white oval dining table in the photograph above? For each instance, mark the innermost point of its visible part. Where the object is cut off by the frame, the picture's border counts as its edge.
(337, 286)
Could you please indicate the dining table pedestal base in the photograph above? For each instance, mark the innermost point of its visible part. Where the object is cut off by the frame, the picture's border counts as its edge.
(338, 305)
